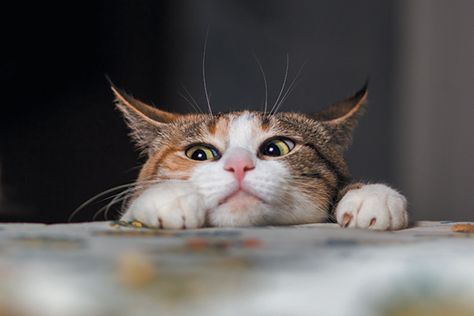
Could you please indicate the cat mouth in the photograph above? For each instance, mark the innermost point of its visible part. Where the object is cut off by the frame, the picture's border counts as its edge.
(240, 195)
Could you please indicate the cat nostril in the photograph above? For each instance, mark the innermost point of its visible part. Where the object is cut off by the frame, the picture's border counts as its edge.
(244, 168)
(248, 168)
(234, 167)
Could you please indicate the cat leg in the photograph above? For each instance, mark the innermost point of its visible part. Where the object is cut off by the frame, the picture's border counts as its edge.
(372, 206)
(171, 204)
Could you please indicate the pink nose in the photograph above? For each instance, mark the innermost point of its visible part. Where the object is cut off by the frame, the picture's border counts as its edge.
(239, 162)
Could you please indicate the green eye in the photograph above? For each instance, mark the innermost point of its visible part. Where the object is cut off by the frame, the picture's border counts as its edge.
(277, 147)
(201, 153)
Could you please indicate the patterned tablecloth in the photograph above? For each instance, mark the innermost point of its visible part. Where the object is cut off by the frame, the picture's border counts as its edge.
(104, 269)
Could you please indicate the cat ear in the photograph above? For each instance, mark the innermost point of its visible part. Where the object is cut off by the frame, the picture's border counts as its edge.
(144, 121)
(341, 118)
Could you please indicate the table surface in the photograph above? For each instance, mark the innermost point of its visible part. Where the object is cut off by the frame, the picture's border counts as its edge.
(103, 269)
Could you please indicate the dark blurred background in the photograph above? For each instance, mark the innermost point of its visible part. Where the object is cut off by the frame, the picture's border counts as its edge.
(62, 141)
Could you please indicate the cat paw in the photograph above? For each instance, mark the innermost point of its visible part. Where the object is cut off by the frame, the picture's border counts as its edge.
(373, 206)
(172, 205)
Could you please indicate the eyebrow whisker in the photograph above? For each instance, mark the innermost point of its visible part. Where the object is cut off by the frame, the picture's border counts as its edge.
(264, 82)
(283, 84)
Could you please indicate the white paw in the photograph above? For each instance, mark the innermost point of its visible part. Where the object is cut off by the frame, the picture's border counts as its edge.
(173, 205)
(373, 206)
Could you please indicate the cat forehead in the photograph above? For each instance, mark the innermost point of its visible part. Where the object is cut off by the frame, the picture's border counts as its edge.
(224, 129)
(242, 128)
(246, 123)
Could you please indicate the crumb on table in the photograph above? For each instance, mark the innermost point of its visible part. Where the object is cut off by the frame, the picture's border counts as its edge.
(463, 228)
(133, 224)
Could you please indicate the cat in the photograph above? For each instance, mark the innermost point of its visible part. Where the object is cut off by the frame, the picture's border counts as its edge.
(252, 168)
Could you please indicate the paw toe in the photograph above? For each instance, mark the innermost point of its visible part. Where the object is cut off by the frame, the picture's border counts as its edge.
(397, 207)
(373, 215)
(346, 211)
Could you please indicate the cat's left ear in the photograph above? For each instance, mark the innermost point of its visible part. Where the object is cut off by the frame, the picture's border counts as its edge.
(341, 118)
(144, 121)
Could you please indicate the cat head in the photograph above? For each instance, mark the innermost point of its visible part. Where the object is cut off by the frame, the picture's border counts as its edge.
(252, 168)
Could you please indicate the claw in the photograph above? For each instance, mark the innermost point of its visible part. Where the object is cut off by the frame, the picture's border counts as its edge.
(372, 221)
(346, 220)
(184, 222)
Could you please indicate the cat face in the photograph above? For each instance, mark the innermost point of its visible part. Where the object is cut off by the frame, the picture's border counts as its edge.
(251, 168)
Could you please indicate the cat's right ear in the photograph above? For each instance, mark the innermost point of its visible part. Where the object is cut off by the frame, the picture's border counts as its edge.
(341, 118)
(144, 121)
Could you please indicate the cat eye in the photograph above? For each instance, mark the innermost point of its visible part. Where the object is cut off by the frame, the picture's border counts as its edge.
(277, 147)
(202, 153)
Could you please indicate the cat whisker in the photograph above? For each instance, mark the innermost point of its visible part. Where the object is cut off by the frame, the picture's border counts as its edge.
(192, 99)
(204, 72)
(116, 200)
(264, 82)
(95, 197)
(283, 84)
(189, 102)
(125, 195)
(290, 88)
(97, 213)
(133, 168)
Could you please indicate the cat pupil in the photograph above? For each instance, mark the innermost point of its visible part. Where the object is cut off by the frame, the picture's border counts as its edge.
(272, 150)
(199, 155)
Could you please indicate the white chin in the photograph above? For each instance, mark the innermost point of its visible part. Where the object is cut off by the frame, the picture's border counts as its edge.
(240, 202)
(240, 209)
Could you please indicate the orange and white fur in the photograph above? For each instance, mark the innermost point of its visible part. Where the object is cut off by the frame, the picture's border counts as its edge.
(252, 168)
